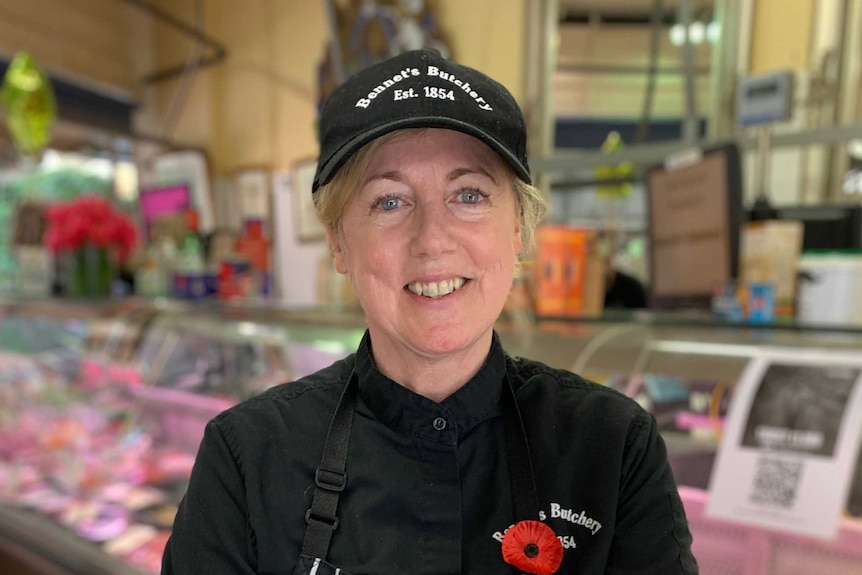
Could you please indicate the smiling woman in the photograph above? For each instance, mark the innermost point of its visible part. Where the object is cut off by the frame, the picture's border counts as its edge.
(435, 206)
(430, 450)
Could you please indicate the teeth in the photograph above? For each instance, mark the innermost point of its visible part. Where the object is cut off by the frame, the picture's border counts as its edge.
(436, 289)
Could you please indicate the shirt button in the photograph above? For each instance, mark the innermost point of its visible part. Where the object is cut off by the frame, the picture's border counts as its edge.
(439, 424)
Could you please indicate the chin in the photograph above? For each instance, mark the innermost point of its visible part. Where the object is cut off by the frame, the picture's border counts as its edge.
(447, 339)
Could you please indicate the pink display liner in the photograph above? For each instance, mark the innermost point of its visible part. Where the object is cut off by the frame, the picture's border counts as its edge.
(726, 547)
(688, 420)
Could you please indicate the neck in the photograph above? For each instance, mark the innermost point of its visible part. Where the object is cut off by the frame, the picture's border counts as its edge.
(433, 377)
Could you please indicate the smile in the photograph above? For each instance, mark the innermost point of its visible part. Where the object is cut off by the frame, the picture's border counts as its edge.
(436, 289)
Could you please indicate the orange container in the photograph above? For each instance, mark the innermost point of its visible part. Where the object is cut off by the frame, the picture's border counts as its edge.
(561, 263)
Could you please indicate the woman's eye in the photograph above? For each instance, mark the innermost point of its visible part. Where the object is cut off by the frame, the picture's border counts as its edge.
(471, 196)
(389, 203)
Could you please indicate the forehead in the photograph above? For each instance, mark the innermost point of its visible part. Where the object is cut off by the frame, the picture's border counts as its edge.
(416, 147)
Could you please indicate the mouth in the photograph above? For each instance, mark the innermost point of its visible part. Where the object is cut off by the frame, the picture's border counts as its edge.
(436, 290)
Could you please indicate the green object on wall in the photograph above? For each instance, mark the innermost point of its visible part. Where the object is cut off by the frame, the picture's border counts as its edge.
(614, 143)
(28, 100)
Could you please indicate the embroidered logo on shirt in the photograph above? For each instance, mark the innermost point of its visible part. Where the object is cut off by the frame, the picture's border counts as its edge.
(557, 511)
(570, 515)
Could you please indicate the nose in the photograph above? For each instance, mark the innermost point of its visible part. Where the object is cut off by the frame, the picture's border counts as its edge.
(432, 230)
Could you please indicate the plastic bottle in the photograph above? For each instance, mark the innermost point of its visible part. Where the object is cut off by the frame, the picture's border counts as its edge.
(189, 277)
(192, 253)
(254, 248)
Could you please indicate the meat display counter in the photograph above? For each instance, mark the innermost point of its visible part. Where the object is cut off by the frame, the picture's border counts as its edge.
(94, 458)
(102, 408)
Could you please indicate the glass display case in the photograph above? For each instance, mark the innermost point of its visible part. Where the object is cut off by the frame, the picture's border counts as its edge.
(94, 458)
(96, 447)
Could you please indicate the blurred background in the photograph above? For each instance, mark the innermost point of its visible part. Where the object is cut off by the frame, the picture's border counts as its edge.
(160, 259)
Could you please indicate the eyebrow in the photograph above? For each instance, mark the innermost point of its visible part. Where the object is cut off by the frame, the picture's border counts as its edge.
(390, 175)
(458, 172)
(395, 176)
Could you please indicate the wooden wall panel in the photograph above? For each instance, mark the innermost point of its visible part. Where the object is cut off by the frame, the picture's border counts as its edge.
(89, 40)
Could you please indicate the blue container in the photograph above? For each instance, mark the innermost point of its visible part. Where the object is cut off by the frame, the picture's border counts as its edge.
(761, 303)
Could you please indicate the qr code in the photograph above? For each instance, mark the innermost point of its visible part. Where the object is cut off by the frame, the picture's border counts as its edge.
(776, 482)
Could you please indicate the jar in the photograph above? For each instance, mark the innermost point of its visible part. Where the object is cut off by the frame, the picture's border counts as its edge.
(830, 288)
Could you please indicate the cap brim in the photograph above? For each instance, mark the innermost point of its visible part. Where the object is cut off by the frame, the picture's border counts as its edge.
(338, 159)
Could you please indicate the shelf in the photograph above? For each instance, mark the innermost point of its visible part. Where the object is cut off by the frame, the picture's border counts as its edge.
(699, 320)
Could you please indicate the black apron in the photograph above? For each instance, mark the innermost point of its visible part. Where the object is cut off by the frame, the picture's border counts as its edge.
(330, 478)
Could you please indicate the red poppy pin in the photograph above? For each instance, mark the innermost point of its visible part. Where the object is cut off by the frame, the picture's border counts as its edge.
(533, 547)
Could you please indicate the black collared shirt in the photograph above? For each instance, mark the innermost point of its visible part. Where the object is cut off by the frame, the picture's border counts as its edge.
(428, 487)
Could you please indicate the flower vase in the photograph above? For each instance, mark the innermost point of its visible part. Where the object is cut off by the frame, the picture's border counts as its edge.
(92, 273)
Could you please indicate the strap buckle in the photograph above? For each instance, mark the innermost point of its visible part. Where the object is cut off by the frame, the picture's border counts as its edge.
(330, 523)
(330, 479)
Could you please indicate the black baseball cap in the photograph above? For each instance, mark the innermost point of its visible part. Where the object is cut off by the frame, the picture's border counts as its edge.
(419, 89)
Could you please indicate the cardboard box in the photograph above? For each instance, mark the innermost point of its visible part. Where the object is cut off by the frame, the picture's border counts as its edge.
(770, 254)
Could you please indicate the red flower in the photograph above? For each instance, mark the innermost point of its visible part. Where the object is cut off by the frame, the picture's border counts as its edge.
(73, 230)
(94, 207)
(127, 238)
(104, 233)
(533, 547)
(90, 220)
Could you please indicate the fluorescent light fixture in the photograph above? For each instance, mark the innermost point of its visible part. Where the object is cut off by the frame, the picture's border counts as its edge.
(51, 160)
(677, 34)
(126, 181)
(246, 328)
(713, 31)
(696, 33)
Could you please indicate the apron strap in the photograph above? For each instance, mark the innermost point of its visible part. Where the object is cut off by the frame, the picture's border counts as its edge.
(522, 480)
(330, 478)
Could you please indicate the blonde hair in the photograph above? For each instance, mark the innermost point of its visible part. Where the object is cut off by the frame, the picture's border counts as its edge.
(330, 200)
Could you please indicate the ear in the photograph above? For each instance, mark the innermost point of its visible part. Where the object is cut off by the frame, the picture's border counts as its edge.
(517, 240)
(336, 247)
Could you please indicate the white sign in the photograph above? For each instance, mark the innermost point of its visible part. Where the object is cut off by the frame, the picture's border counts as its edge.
(297, 263)
(791, 443)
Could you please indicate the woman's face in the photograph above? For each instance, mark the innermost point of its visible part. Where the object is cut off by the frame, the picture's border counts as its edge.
(429, 241)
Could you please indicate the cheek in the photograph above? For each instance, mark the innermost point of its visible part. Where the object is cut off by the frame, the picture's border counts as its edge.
(496, 258)
(507, 244)
(370, 257)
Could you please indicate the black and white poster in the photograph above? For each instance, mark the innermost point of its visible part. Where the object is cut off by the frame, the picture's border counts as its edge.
(791, 442)
(798, 408)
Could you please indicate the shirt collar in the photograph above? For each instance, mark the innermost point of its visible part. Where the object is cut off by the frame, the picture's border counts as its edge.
(407, 412)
